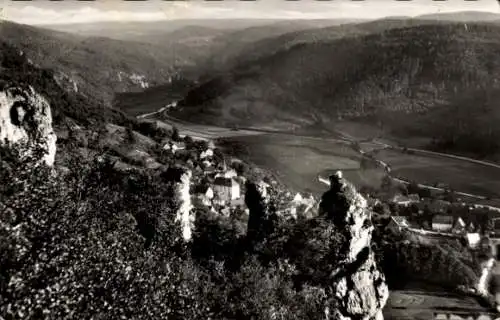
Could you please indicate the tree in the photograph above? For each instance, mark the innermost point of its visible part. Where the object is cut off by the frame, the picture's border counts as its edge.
(129, 135)
(413, 188)
(241, 168)
(450, 196)
(386, 184)
(189, 141)
(175, 134)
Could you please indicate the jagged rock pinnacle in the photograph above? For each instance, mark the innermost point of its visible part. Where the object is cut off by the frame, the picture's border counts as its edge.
(25, 118)
(360, 287)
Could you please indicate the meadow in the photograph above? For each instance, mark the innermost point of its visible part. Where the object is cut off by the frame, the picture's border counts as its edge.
(459, 175)
(298, 161)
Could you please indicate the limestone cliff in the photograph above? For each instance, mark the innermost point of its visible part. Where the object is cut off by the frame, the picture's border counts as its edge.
(360, 289)
(337, 249)
(25, 118)
(184, 212)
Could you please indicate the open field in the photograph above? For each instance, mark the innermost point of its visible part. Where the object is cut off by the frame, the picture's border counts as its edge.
(202, 131)
(459, 175)
(298, 161)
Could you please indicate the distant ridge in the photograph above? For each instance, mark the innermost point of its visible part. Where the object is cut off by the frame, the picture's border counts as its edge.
(462, 16)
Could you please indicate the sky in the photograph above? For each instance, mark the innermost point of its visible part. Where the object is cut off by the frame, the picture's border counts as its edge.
(39, 12)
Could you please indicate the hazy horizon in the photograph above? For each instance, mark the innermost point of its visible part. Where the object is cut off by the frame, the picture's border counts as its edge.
(66, 12)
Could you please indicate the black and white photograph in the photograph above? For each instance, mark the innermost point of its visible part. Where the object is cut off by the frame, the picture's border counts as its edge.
(250, 160)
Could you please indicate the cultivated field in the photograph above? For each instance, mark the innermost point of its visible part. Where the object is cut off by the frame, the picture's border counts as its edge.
(202, 131)
(459, 175)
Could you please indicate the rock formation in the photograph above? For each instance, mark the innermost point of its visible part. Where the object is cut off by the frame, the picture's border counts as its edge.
(25, 118)
(360, 289)
(261, 211)
(184, 212)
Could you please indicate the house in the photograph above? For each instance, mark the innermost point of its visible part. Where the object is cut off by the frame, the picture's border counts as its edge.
(207, 154)
(174, 146)
(414, 197)
(205, 191)
(397, 224)
(471, 227)
(404, 200)
(473, 240)
(496, 224)
(298, 198)
(227, 174)
(204, 194)
(442, 222)
(459, 225)
(226, 189)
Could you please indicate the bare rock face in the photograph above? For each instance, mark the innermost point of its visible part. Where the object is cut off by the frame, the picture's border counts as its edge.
(184, 212)
(360, 289)
(25, 118)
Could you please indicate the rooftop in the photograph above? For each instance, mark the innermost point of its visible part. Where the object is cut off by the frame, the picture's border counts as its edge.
(227, 182)
(443, 219)
(401, 221)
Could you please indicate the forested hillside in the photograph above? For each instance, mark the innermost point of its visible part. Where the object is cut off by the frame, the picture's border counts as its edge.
(434, 71)
(97, 67)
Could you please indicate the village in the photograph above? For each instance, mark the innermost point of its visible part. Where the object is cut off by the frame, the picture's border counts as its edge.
(219, 184)
(442, 216)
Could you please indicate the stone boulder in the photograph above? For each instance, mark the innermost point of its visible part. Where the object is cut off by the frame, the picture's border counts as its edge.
(26, 119)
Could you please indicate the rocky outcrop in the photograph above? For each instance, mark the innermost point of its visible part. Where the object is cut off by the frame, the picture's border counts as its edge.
(25, 118)
(359, 287)
(184, 212)
(261, 211)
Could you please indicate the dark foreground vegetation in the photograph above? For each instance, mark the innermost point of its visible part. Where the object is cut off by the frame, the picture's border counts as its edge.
(95, 242)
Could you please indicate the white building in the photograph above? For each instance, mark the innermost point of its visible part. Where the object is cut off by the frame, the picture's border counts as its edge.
(174, 146)
(406, 200)
(442, 223)
(397, 224)
(205, 195)
(460, 225)
(473, 240)
(226, 189)
(227, 174)
(207, 154)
